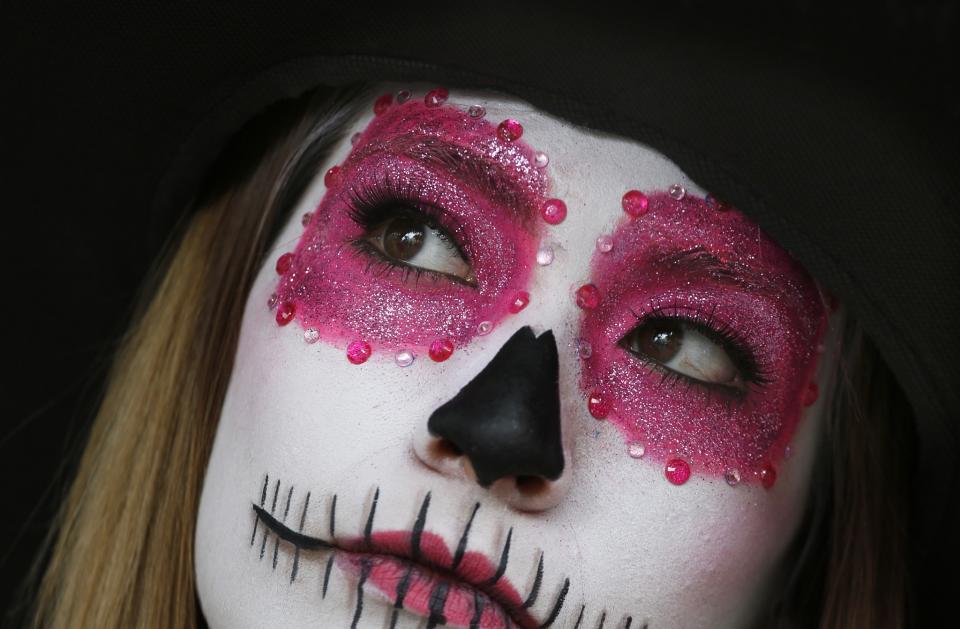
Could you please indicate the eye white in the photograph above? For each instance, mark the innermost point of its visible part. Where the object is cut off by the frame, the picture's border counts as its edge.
(436, 253)
(703, 359)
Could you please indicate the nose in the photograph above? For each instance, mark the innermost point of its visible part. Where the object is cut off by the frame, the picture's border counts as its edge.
(503, 429)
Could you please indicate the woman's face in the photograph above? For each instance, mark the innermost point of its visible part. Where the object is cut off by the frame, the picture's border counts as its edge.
(510, 374)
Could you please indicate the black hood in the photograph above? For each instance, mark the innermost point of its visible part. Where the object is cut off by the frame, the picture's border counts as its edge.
(836, 132)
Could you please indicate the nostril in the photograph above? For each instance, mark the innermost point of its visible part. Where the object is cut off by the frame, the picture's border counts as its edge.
(444, 449)
(531, 485)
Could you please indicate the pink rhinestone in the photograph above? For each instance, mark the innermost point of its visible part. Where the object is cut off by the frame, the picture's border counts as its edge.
(768, 476)
(358, 352)
(509, 130)
(811, 394)
(676, 192)
(440, 350)
(332, 176)
(677, 471)
(540, 159)
(403, 96)
(588, 297)
(553, 211)
(476, 111)
(598, 406)
(520, 301)
(285, 313)
(283, 263)
(604, 244)
(436, 97)
(636, 450)
(634, 203)
(382, 103)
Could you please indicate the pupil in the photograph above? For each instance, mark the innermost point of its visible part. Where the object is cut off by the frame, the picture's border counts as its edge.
(403, 237)
(660, 340)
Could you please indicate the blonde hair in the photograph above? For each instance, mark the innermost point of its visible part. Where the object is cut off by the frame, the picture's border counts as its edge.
(123, 549)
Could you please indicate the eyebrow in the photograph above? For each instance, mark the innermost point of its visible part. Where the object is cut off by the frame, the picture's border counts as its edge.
(698, 261)
(476, 171)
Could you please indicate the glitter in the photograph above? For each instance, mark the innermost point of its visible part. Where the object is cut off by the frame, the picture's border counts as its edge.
(382, 103)
(403, 96)
(604, 244)
(283, 263)
(436, 97)
(540, 159)
(732, 477)
(677, 192)
(311, 335)
(476, 111)
(520, 301)
(404, 358)
(677, 471)
(509, 130)
(588, 297)
(358, 352)
(484, 328)
(636, 450)
(553, 211)
(544, 255)
(272, 302)
(285, 313)
(598, 406)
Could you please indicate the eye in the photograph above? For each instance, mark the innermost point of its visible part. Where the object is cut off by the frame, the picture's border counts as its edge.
(410, 239)
(688, 350)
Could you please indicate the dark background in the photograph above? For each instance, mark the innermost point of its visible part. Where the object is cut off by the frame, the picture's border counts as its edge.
(71, 279)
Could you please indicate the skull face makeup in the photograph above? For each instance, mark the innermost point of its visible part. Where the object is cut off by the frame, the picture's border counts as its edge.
(431, 421)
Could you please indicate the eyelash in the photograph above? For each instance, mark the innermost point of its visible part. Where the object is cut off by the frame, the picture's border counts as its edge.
(369, 207)
(739, 346)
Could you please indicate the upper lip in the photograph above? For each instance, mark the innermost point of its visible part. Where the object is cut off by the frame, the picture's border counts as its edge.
(409, 546)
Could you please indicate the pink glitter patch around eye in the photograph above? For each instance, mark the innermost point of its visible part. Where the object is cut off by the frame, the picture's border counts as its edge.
(683, 258)
(485, 192)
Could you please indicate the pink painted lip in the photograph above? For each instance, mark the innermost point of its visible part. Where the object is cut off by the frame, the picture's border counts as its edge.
(471, 585)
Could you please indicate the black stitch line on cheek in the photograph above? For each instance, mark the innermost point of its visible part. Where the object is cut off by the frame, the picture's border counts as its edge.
(603, 619)
(462, 544)
(477, 610)
(276, 541)
(418, 528)
(504, 558)
(303, 514)
(326, 576)
(333, 517)
(263, 544)
(629, 622)
(368, 529)
(438, 598)
(535, 590)
(580, 617)
(276, 490)
(286, 509)
(296, 563)
(263, 499)
(561, 598)
(364, 573)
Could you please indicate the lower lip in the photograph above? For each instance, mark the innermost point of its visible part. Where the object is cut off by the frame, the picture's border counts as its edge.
(386, 572)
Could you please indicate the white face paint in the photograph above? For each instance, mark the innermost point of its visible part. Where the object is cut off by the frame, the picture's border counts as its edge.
(616, 539)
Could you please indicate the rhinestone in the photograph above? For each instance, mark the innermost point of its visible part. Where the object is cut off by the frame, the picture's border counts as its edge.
(404, 358)
(382, 103)
(588, 297)
(285, 313)
(634, 203)
(272, 302)
(584, 349)
(441, 349)
(476, 111)
(540, 159)
(305, 219)
(358, 352)
(283, 263)
(732, 477)
(331, 177)
(520, 301)
(768, 476)
(544, 256)
(553, 211)
(677, 471)
(436, 97)
(311, 335)
(604, 244)
(598, 406)
(485, 328)
(509, 130)
(811, 394)
(677, 192)
(636, 450)
(403, 96)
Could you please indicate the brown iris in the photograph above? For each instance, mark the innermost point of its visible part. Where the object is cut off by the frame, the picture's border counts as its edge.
(658, 340)
(403, 237)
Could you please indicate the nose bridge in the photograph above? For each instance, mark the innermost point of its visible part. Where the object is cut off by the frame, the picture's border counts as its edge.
(506, 420)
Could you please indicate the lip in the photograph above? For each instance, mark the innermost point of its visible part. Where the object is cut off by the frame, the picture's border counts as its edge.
(456, 586)
(426, 582)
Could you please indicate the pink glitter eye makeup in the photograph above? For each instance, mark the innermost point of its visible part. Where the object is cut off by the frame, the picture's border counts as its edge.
(703, 337)
(427, 233)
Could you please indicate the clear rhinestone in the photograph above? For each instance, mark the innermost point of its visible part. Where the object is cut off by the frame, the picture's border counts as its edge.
(584, 349)
(636, 450)
(355, 138)
(272, 302)
(476, 111)
(677, 192)
(404, 358)
(484, 328)
(305, 219)
(732, 477)
(540, 159)
(544, 255)
(311, 335)
(403, 96)
(604, 244)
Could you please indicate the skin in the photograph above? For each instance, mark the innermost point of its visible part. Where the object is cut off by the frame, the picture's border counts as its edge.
(630, 543)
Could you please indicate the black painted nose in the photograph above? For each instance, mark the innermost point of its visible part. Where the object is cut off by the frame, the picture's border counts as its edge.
(506, 420)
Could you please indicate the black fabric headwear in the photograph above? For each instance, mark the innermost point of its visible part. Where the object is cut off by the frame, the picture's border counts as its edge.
(844, 153)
